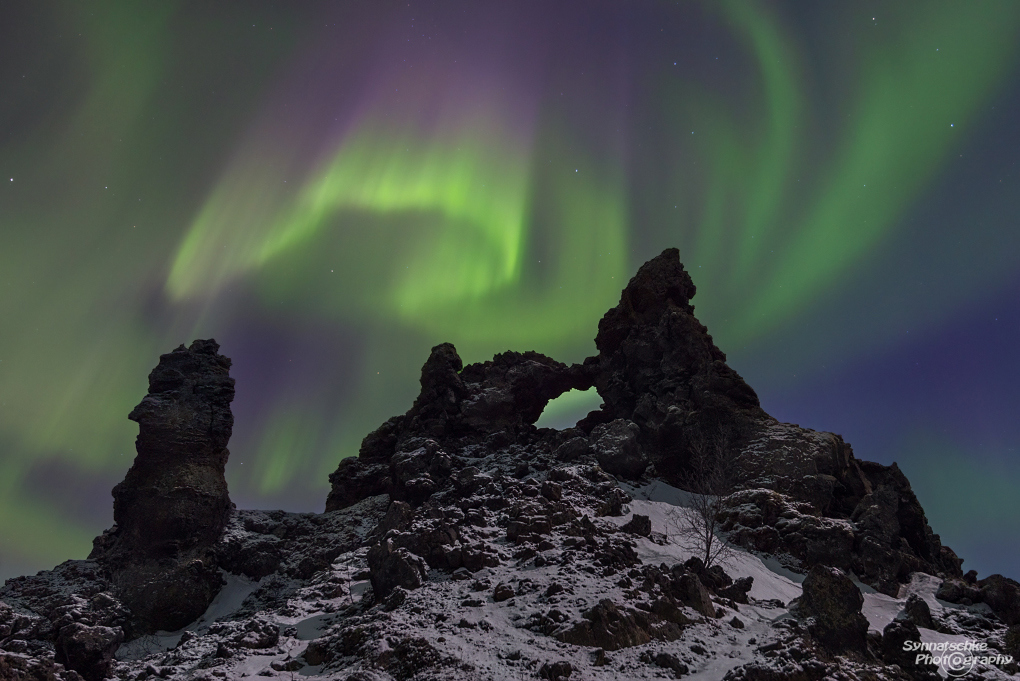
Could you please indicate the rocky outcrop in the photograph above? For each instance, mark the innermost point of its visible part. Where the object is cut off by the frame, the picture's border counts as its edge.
(173, 504)
(88, 650)
(1001, 594)
(659, 368)
(482, 406)
(894, 636)
(670, 402)
(832, 604)
(618, 450)
(610, 627)
(461, 516)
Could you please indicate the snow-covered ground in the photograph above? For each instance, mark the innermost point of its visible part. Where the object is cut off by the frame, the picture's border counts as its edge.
(461, 619)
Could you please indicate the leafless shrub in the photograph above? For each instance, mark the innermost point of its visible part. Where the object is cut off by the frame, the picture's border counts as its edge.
(708, 479)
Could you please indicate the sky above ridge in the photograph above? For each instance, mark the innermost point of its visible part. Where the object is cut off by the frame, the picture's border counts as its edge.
(330, 189)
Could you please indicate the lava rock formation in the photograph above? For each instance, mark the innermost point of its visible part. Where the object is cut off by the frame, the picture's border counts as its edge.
(173, 504)
(464, 542)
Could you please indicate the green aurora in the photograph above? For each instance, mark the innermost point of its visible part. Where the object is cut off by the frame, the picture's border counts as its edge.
(177, 173)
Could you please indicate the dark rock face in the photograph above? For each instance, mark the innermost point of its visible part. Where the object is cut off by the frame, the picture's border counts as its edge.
(916, 610)
(173, 504)
(895, 634)
(394, 567)
(833, 603)
(611, 627)
(260, 543)
(640, 525)
(658, 367)
(461, 516)
(1002, 595)
(88, 650)
(893, 538)
(555, 670)
(617, 449)
(492, 403)
(668, 396)
(20, 668)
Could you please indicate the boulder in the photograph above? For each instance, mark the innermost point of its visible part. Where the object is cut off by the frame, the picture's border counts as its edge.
(88, 650)
(391, 567)
(491, 401)
(691, 592)
(895, 634)
(555, 670)
(640, 525)
(832, 604)
(1002, 595)
(609, 627)
(916, 610)
(617, 449)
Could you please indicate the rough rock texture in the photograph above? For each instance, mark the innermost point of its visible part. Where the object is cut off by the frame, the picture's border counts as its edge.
(610, 627)
(488, 404)
(895, 634)
(617, 448)
(88, 650)
(832, 604)
(668, 396)
(1001, 594)
(173, 504)
(465, 543)
(659, 368)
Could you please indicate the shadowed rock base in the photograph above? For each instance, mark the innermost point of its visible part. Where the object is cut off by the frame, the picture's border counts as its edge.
(173, 504)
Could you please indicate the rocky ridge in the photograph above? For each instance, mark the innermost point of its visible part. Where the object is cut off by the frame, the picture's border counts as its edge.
(464, 542)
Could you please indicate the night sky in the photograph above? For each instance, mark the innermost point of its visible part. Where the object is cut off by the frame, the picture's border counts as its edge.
(330, 189)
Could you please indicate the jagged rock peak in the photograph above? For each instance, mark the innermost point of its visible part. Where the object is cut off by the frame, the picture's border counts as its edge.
(658, 283)
(487, 404)
(173, 503)
(175, 493)
(672, 406)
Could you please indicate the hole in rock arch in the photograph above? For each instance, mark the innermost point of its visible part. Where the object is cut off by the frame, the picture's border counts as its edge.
(567, 409)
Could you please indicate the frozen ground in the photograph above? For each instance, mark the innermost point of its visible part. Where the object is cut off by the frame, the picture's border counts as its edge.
(493, 640)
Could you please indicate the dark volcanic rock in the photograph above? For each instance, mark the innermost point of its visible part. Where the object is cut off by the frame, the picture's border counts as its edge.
(916, 610)
(658, 367)
(392, 567)
(617, 448)
(833, 604)
(465, 483)
(88, 650)
(668, 396)
(893, 538)
(173, 504)
(641, 525)
(19, 668)
(494, 403)
(611, 627)
(895, 634)
(1002, 595)
(555, 670)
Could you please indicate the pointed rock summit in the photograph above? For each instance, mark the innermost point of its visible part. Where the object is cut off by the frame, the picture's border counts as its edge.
(465, 542)
(671, 403)
(658, 367)
(173, 503)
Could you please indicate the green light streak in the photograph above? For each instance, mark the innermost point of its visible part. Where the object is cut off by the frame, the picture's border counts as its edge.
(565, 410)
(915, 102)
(34, 531)
(474, 181)
(768, 167)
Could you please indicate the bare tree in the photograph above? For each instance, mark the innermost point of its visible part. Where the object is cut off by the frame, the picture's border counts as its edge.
(708, 480)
